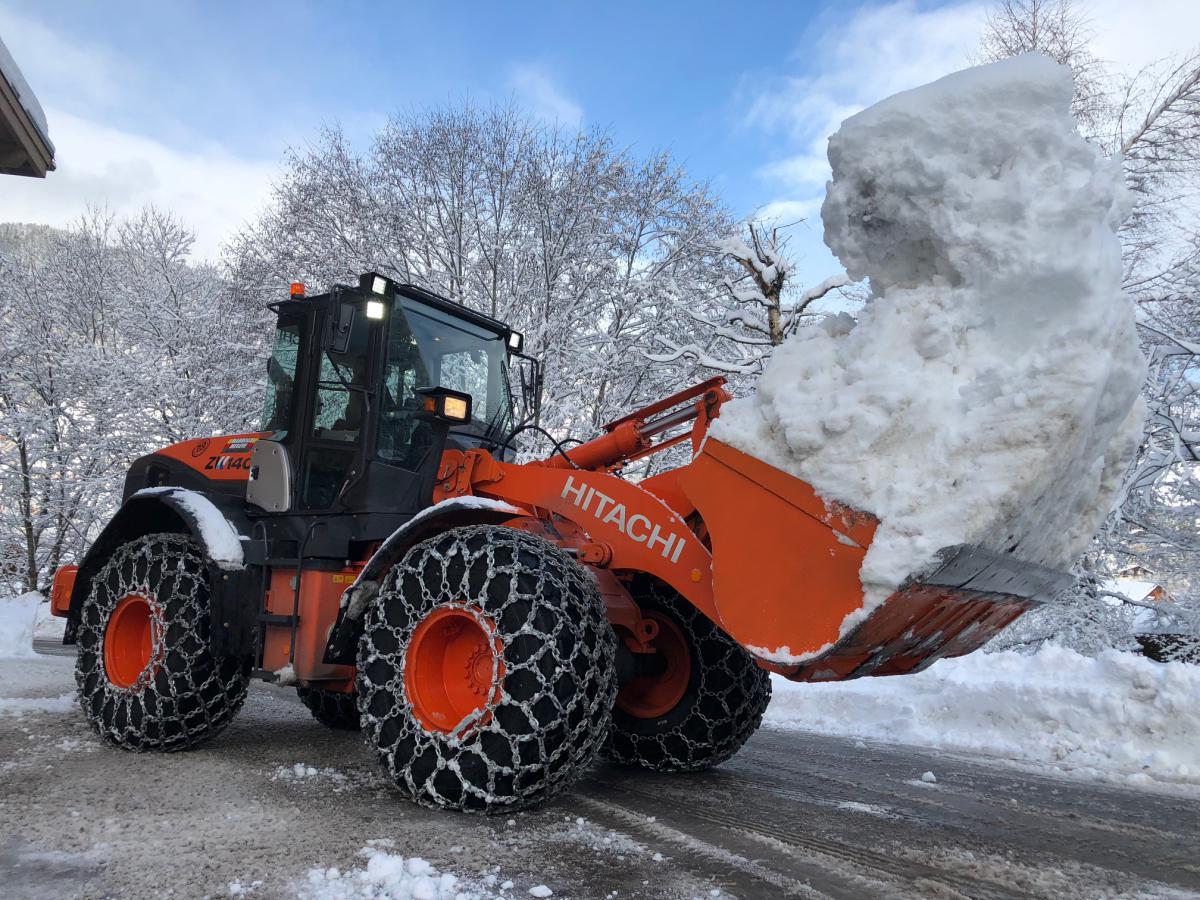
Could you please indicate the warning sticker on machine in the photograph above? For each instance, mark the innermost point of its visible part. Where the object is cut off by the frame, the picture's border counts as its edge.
(240, 445)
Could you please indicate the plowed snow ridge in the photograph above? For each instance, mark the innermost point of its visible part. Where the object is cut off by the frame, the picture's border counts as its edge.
(1119, 717)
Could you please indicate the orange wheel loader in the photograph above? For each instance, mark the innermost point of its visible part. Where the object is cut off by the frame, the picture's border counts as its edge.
(489, 625)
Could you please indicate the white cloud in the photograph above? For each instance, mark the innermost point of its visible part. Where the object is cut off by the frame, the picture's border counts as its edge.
(85, 88)
(1129, 35)
(536, 89)
(90, 77)
(882, 49)
(879, 51)
(211, 190)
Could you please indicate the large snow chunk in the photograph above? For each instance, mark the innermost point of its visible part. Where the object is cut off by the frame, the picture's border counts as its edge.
(988, 393)
(17, 616)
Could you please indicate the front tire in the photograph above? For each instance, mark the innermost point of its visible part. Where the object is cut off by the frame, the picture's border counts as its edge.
(705, 704)
(147, 679)
(486, 671)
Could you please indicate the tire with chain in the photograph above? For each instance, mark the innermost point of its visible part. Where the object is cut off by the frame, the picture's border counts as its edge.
(335, 709)
(176, 694)
(543, 669)
(724, 695)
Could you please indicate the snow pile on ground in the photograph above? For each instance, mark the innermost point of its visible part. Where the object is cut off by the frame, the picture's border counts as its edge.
(302, 772)
(389, 876)
(1118, 717)
(386, 875)
(989, 391)
(17, 617)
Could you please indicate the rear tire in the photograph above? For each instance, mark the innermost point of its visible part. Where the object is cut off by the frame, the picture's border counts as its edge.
(147, 679)
(333, 709)
(486, 671)
(720, 702)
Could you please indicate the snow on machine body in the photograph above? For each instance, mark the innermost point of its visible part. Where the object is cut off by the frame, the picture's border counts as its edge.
(490, 625)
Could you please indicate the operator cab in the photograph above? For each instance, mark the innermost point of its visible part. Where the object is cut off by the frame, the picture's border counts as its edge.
(368, 385)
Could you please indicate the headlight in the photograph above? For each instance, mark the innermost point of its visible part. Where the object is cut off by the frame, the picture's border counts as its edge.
(456, 408)
(516, 341)
(447, 405)
(375, 309)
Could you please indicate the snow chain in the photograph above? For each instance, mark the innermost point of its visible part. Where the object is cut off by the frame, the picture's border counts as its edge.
(545, 716)
(185, 695)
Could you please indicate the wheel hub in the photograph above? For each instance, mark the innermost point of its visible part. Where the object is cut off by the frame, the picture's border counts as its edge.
(651, 696)
(129, 640)
(452, 668)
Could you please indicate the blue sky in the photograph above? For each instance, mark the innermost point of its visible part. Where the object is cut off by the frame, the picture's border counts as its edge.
(192, 105)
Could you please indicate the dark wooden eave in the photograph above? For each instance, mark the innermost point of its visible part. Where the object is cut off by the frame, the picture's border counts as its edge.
(23, 149)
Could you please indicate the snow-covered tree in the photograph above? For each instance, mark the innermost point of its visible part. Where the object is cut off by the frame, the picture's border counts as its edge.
(112, 344)
(573, 241)
(1151, 119)
(750, 313)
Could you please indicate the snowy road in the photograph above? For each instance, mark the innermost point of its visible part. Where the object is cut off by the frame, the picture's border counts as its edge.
(793, 815)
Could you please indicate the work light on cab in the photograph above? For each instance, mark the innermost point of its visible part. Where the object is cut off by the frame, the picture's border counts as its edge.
(516, 341)
(447, 405)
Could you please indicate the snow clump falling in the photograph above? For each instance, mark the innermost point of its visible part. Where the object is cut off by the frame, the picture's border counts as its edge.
(988, 393)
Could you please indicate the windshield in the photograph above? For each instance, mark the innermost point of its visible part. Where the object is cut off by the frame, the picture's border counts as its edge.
(463, 357)
(281, 378)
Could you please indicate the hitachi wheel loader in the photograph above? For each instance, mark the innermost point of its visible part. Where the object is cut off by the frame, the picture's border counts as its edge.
(489, 625)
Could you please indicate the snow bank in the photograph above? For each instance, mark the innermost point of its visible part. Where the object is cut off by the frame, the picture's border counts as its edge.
(48, 627)
(18, 706)
(1118, 717)
(17, 617)
(989, 391)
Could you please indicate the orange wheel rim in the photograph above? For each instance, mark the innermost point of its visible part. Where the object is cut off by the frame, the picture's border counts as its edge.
(651, 696)
(452, 670)
(129, 640)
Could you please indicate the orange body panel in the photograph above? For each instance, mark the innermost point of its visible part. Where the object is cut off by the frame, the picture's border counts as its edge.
(783, 570)
(60, 592)
(785, 564)
(320, 594)
(225, 458)
(629, 528)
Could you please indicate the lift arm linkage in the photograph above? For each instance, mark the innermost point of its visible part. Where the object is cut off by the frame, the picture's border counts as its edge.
(632, 437)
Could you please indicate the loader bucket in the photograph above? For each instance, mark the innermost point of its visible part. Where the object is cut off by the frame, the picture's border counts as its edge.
(786, 574)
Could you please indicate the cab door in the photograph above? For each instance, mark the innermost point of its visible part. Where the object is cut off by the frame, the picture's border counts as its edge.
(337, 426)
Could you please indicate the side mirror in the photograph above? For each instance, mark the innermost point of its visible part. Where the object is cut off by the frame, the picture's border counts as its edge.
(445, 405)
(529, 379)
(339, 327)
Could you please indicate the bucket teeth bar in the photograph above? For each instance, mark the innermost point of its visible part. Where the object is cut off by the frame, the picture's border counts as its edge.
(973, 568)
(957, 608)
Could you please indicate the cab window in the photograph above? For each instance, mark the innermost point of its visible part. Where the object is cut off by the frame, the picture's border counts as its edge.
(338, 418)
(281, 378)
(403, 438)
